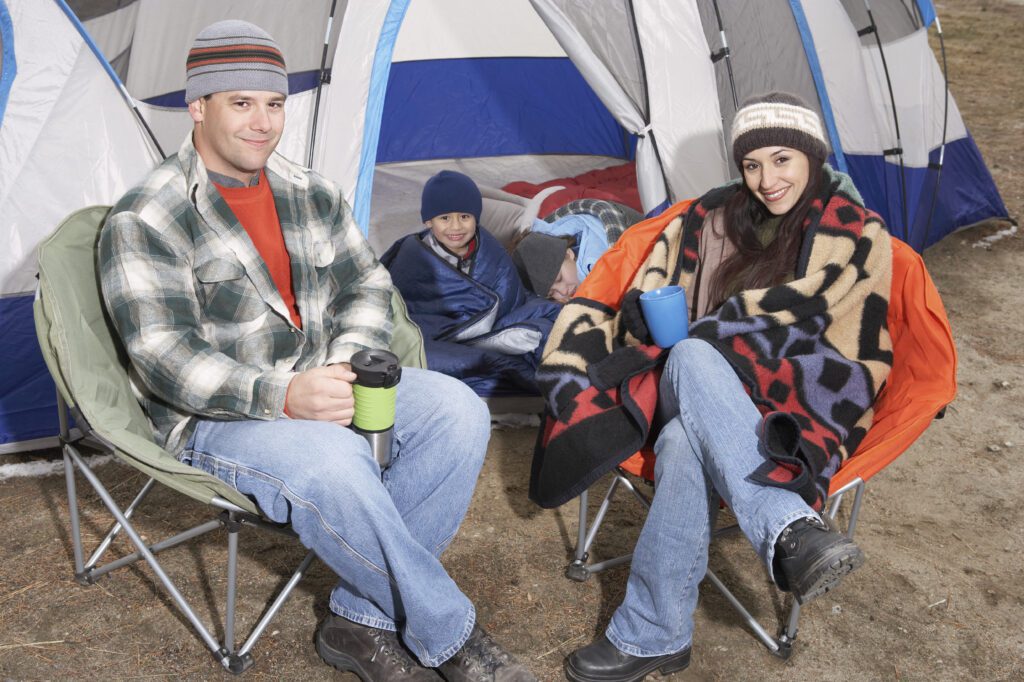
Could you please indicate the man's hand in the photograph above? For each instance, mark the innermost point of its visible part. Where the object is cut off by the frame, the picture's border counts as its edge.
(322, 394)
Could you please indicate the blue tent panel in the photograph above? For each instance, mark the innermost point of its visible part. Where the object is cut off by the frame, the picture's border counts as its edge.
(297, 82)
(8, 64)
(966, 194)
(493, 107)
(927, 10)
(838, 160)
(28, 398)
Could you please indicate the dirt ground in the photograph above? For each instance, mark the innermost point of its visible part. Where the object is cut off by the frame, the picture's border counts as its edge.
(940, 597)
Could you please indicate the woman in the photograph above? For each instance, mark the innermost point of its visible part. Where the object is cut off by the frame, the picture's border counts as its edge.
(787, 277)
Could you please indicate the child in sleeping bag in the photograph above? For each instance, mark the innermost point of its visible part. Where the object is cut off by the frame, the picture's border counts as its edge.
(479, 323)
(557, 253)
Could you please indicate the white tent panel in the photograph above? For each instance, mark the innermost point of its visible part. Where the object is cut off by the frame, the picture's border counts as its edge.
(919, 91)
(455, 29)
(112, 32)
(864, 123)
(339, 146)
(685, 114)
(61, 101)
(167, 29)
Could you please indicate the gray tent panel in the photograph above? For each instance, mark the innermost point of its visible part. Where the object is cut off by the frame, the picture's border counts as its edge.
(758, 32)
(895, 18)
(609, 30)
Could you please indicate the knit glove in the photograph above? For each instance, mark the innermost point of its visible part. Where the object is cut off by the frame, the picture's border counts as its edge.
(633, 317)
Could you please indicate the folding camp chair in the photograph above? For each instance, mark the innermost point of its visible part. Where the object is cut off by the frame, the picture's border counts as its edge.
(922, 382)
(88, 365)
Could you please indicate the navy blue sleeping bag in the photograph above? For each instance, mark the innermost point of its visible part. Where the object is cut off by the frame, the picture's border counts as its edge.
(484, 328)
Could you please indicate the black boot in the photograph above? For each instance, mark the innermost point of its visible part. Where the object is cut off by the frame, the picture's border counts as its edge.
(373, 654)
(600, 661)
(811, 559)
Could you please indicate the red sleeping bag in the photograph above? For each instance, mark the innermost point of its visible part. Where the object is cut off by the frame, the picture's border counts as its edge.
(615, 183)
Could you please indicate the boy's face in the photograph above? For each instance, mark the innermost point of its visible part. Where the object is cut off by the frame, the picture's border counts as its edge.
(454, 230)
(567, 280)
(236, 132)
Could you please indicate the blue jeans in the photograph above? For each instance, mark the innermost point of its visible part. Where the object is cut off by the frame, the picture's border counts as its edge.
(382, 538)
(710, 446)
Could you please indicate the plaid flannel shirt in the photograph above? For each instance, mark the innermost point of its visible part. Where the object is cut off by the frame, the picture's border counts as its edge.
(206, 329)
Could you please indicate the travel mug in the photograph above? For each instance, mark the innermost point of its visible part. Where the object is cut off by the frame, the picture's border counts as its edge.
(377, 375)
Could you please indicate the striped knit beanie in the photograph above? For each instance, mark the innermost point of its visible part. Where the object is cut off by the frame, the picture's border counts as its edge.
(777, 119)
(234, 55)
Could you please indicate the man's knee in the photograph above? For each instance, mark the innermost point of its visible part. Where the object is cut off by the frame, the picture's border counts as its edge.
(454, 408)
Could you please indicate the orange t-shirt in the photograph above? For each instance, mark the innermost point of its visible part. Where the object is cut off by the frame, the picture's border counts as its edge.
(255, 210)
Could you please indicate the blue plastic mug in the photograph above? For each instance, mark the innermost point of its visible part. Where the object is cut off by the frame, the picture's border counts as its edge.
(666, 315)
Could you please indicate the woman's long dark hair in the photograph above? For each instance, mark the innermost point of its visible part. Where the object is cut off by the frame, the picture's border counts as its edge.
(752, 265)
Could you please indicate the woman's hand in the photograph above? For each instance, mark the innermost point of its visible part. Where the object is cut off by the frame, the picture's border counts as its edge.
(633, 317)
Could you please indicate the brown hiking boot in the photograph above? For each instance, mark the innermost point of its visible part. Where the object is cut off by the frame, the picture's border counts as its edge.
(373, 654)
(481, 659)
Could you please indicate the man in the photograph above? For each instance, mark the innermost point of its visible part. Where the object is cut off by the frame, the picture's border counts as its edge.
(241, 286)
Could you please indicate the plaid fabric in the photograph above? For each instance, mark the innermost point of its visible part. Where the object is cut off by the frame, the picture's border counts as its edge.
(615, 217)
(206, 330)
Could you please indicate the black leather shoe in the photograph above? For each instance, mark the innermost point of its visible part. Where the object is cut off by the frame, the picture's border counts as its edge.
(481, 659)
(600, 661)
(811, 559)
(374, 655)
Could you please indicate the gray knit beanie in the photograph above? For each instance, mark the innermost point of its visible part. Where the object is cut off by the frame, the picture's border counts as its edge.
(538, 257)
(777, 119)
(234, 55)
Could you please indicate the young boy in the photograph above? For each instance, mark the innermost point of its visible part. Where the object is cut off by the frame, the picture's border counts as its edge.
(480, 323)
(450, 208)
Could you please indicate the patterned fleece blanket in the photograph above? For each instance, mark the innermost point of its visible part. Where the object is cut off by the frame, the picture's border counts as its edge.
(812, 353)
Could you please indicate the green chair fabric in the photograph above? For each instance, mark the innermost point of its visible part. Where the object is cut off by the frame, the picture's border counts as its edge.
(89, 365)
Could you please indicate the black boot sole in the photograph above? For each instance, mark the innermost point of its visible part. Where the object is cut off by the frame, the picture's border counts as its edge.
(666, 665)
(828, 571)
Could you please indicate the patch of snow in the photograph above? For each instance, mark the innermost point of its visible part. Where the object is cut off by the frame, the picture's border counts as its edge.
(987, 242)
(47, 468)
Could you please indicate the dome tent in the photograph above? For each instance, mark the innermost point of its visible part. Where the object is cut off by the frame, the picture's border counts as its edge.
(503, 90)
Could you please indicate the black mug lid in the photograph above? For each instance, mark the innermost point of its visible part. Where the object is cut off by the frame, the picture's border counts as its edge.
(376, 368)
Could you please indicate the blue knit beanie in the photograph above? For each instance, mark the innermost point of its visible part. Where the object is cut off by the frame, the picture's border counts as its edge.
(450, 192)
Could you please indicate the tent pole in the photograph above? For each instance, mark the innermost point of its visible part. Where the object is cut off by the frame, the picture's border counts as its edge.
(898, 149)
(942, 147)
(725, 52)
(73, 18)
(647, 106)
(325, 77)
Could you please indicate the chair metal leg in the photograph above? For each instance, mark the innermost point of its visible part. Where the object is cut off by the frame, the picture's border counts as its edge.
(580, 569)
(76, 530)
(94, 573)
(581, 529)
(232, 519)
(276, 605)
(116, 528)
(232, 527)
(141, 547)
(773, 644)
